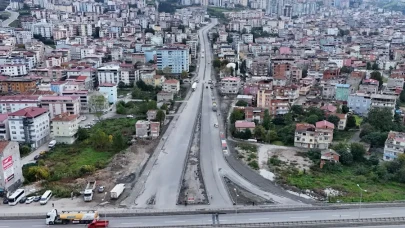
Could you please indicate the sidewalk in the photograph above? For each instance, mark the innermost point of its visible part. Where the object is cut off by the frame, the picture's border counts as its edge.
(30, 157)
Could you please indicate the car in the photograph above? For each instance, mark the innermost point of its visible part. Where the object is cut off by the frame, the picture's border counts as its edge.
(130, 116)
(37, 157)
(30, 200)
(22, 200)
(87, 127)
(206, 87)
(5, 200)
(100, 189)
(216, 125)
(37, 198)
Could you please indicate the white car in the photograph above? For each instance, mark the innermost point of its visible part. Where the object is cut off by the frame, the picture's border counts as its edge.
(130, 116)
(30, 200)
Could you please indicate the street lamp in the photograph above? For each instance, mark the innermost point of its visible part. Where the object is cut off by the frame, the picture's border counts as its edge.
(102, 200)
(361, 197)
(236, 203)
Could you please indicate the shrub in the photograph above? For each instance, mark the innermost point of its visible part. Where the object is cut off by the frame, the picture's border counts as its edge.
(254, 165)
(273, 160)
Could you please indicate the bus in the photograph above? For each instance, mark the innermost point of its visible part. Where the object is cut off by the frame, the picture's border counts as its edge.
(16, 196)
(45, 197)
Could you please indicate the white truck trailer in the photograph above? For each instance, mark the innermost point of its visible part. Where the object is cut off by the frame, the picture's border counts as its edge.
(194, 86)
(117, 191)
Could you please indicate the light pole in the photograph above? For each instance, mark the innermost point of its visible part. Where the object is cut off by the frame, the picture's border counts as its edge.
(236, 204)
(102, 200)
(361, 197)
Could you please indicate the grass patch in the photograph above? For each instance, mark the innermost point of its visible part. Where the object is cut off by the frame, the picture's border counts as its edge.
(4, 15)
(278, 143)
(248, 147)
(359, 120)
(342, 136)
(124, 92)
(346, 182)
(15, 24)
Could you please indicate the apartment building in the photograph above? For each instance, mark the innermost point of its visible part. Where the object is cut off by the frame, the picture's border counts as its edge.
(11, 172)
(84, 99)
(30, 125)
(359, 103)
(260, 67)
(109, 74)
(230, 85)
(383, 101)
(13, 70)
(109, 89)
(176, 59)
(369, 86)
(14, 103)
(277, 105)
(319, 135)
(4, 130)
(394, 145)
(342, 92)
(17, 85)
(171, 86)
(61, 104)
(64, 128)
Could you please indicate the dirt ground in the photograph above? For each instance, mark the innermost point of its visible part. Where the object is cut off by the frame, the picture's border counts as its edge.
(288, 155)
(241, 196)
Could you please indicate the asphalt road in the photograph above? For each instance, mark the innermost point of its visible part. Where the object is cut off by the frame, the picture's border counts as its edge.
(13, 17)
(176, 220)
(163, 180)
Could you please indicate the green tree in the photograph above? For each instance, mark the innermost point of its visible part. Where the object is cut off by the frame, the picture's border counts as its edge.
(97, 104)
(160, 116)
(375, 66)
(216, 63)
(334, 119)
(366, 129)
(402, 96)
(271, 136)
(82, 134)
(167, 71)
(297, 110)
(241, 103)
(368, 66)
(376, 138)
(380, 118)
(358, 151)
(312, 119)
(259, 132)
(247, 134)
(184, 74)
(304, 73)
(266, 120)
(345, 109)
(229, 39)
(237, 115)
(376, 75)
(286, 134)
(99, 140)
(315, 111)
(118, 142)
(25, 149)
(351, 122)
(346, 158)
(314, 154)
(164, 107)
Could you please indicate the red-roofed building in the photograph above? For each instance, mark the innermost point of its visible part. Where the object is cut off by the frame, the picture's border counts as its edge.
(30, 125)
(61, 104)
(17, 102)
(171, 86)
(319, 135)
(64, 128)
(242, 125)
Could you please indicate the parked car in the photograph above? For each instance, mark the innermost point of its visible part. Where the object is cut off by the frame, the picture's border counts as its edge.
(37, 157)
(30, 199)
(5, 200)
(37, 198)
(100, 189)
(22, 200)
(130, 116)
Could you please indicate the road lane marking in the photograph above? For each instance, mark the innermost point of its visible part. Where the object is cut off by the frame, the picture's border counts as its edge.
(340, 215)
(382, 214)
(174, 221)
(131, 223)
(300, 217)
(254, 219)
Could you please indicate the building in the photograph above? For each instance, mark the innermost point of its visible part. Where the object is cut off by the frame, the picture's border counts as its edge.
(17, 102)
(171, 86)
(394, 145)
(254, 113)
(242, 125)
(111, 90)
(176, 59)
(64, 128)
(109, 74)
(61, 104)
(324, 130)
(329, 156)
(230, 85)
(154, 129)
(4, 130)
(277, 105)
(11, 176)
(30, 125)
(359, 103)
(319, 135)
(342, 121)
(164, 96)
(13, 70)
(17, 85)
(342, 92)
(146, 129)
(383, 101)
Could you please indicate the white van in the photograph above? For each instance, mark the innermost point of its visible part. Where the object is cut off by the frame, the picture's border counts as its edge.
(45, 197)
(52, 144)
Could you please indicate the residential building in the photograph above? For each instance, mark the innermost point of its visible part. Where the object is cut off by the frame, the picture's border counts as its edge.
(359, 103)
(142, 128)
(242, 125)
(369, 86)
(319, 135)
(64, 128)
(329, 155)
(324, 130)
(30, 125)
(164, 96)
(17, 85)
(394, 145)
(342, 92)
(109, 74)
(13, 70)
(230, 85)
(4, 129)
(84, 99)
(111, 90)
(176, 59)
(171, 86)
(17, 102)
(383, 101)
(254, 113)
(61, 104)
(11, 175)
(277, 105)
(159, 80)
(342, 121)
(154, 130)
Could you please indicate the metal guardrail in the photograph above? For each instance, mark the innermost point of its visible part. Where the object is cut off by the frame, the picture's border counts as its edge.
(310, 223)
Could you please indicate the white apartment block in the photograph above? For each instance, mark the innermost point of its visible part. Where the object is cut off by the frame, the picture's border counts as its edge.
(61, 104)
(13, 70)
(230, 85)
(109, 74)
(171, 86)
(44, 29)
(64, 128)
(23, 36)
(109, 89)
(30, 125)
(394, 145)
(14, 103)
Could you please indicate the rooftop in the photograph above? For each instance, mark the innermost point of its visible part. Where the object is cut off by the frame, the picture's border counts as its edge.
(30, 112)
(65, 117)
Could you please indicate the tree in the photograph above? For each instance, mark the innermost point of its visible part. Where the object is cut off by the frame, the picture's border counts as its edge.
(118, 142)
(216, 63)
(160, 116)
(345, 69)
(266, 120)
(351, 122)
(297, 110)
(121, 85)
(345, 109)
(334, 119)
(314, 154)
(402, 96)
(97, 104)
(242, 103)
(376, 75)
(243, 67)
(375, 66)
(167, 70)
(96, 33)
(376, 138)
(259, 132)
(25, 149)
(184, 74)
(164, 107)
(271, 136)
(82, 134)
(99, 140)
(380, 118)
(316, 111)
(312, 119)
(358, 151)
(229, 39)
(247, 134)
(304, 73)
(368, 66)
(237, 115)
(346, 158)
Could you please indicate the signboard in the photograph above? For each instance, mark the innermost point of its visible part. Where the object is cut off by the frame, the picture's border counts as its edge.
(8, 168)
(190, 199)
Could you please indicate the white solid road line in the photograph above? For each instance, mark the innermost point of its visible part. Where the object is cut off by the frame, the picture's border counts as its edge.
(174, 221)
(302, 217)
(340, 215)
(382, 214)
(255, 219)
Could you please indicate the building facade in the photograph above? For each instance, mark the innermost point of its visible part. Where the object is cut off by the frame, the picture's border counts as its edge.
(394, 145)
(11, 176)
(176, 59)
(64, 128)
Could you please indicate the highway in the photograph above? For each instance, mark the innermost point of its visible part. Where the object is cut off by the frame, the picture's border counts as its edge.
(13, 17)
(177, 220)
(163, 179)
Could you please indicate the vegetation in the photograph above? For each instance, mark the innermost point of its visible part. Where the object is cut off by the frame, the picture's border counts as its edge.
(97, 104)
(46, 41)
(135, 108)
(92, 151)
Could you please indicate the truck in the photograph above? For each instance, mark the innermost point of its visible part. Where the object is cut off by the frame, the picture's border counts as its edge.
(117, 191)
(98, 224)
(88, 191)
(75, 217)
(194, 86)
(51, 144)
(214, 106)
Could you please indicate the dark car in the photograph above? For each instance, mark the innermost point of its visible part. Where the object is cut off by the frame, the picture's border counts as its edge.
(36, 157)
(5, 201)
(22, 200)
(37, 198)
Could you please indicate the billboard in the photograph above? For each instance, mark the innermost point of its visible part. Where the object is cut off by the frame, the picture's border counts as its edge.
(8, 168)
